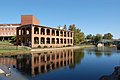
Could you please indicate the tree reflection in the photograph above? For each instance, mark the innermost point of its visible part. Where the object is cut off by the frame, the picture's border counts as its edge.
(78, 56)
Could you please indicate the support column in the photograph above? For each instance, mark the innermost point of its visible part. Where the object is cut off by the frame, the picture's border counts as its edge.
(39, 30)
(39, 40)
(45, 31)
(32, 30)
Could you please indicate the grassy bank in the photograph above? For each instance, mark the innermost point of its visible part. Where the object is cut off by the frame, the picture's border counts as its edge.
(8, 48)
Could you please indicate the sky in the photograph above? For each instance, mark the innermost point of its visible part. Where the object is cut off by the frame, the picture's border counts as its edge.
(91, 16)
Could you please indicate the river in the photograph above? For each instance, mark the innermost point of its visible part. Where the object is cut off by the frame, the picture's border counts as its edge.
(66, 64)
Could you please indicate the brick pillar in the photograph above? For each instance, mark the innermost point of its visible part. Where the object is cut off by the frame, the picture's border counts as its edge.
(39, 40)
(32, 33)
(39, 30)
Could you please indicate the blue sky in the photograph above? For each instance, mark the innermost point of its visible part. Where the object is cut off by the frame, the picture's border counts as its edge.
(91, 16)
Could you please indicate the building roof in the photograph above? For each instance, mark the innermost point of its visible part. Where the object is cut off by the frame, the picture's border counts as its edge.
(47, 27)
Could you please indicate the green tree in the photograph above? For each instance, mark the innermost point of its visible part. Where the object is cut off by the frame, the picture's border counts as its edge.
(98, 38)
(78, 35)
(65, 27)
(108, 36)
(13, 38)
(89, 36)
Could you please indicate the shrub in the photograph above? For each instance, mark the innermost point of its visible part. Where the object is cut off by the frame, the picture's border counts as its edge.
(69, 45)
(63, 45)
(45, 47)
(39, 46)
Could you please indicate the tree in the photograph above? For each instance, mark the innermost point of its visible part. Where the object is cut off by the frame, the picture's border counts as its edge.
(78, 35)
(98, 38)
(89, 36)
(108, 36)
(65, 27)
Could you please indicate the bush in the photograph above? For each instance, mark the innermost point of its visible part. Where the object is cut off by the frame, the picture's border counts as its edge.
(45, 47)
(63, 45)
(68, 45)
(39, 46)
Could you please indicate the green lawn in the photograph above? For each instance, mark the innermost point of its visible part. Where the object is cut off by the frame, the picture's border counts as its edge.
(7, 47)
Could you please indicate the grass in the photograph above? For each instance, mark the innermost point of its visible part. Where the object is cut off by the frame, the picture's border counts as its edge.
(7, 47)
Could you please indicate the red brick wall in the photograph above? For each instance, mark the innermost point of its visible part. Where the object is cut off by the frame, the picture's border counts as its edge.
(29, 19)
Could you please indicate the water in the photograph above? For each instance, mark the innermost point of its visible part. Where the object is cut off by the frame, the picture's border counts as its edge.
(79, 64)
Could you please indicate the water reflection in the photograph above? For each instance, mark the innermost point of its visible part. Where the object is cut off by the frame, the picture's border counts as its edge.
(114, 76)
(8, 60)
(43, 62)
(65, 64)
(100, 51)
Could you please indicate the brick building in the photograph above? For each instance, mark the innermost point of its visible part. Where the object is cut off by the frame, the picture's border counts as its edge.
(7, 31)
(32, 34)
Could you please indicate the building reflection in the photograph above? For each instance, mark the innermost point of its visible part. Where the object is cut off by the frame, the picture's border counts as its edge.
(8, 60)
(42, 62)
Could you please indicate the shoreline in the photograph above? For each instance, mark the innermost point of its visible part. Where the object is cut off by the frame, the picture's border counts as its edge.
(50, 49)
(14, 52)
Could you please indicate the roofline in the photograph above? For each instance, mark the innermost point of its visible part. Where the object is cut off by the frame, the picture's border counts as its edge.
(46, 27)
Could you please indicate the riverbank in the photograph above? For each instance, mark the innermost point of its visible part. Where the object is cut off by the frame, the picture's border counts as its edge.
(51, 49)
(24, 51)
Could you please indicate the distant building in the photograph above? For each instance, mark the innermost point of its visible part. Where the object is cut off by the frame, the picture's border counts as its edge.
(7, 31)
(32, 34)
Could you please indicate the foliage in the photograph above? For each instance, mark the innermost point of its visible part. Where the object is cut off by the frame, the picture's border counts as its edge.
(45, 47)
(89, 36)
(13, 38)
(108, 36)
(39, 46)
(65, 27)
(98, 38)
(78, 35)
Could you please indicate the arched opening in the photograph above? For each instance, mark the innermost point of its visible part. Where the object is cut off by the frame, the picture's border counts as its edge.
(42, 40)
(53, 40)
(36, 30)
(36, 40)
(61, 33)
(57, 40)
(42, 31)
(23, 31)
(64, 34)
(57, 33)
(48, 40)
(71, 41)
(68, 41)
(71, 34)
(68, 34)
(64, 41)
(27, 30)
(53, 32)
(61, 41)
(48, 31)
